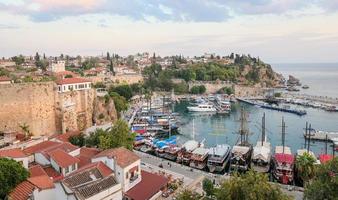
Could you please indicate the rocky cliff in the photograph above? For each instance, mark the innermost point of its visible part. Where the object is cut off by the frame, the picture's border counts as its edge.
(104, 111)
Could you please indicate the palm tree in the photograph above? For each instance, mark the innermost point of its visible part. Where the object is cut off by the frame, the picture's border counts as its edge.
(25, 128)
(305, 165)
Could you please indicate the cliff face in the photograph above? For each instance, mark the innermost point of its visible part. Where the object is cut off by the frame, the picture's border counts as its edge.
(262, 76)
(104, 111)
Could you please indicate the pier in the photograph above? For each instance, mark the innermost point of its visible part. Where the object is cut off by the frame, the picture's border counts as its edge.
(321, 135)
(270, 107)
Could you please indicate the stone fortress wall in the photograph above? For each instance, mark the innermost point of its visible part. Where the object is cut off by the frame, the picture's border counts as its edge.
(43, 109)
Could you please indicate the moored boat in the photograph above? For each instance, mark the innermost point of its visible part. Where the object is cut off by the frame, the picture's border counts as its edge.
(218, 157)
(199, 158)
(184, 155)
(283, 165)
(202, 108)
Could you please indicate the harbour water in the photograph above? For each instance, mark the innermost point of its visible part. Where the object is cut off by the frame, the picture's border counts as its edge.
(218, 129)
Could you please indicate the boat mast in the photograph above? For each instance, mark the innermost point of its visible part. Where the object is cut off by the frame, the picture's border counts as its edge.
(283, 134)
(306, 134)
(193, 129)
(243, 131)
(263, 129)
(308, 142)
(326, 144)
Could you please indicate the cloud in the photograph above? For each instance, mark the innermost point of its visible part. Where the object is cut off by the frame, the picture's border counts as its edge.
(161, 10)
(6, 26)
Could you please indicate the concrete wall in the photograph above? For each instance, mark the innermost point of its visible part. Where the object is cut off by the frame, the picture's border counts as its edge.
(28, 103)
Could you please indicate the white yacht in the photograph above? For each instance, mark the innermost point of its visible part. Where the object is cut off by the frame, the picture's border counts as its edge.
(202, 108)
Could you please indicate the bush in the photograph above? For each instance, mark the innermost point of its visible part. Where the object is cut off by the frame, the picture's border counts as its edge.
(226, 90)
(123, 90)
(198, 89)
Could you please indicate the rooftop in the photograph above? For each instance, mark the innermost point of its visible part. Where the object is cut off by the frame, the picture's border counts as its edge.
(72, 81)
(86, 154)
(4, 78)
(40, 147)
(62, 158)
(90, 180)
(121, 155)
(22, 191)
(148, 187)
(12, 153)
(65, 137)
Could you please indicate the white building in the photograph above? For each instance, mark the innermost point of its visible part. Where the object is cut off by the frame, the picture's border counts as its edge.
(125, 164)
(15, 154)
(73, 84)
(57, 66)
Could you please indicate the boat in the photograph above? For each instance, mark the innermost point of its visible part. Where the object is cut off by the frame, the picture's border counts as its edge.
(171, 152)
(218, 157)
(283, 162)
(199, 158)
(305, 87)
(184, 155)
(261, 155)
(202, 108)
(162, 145)
(241, 152)
(223, 104)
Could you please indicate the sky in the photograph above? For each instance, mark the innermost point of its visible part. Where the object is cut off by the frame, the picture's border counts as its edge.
(278, 31)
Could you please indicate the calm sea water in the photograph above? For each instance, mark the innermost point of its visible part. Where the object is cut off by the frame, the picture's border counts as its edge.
(218, 129)
(321, 78)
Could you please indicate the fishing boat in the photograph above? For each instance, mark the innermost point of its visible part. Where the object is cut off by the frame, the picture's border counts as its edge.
(241, 152)
(218, 157)
(261, 155)
(199, 158)
(283, 162)
(202, 108)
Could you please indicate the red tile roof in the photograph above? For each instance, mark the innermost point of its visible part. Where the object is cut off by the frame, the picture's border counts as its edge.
(86, 154)
(121, 155)
(53, 174)
(4, 78)
(37, 170)
(65, 137)
(62, 158)
(22, 191)
(72, 81)
(12, 153)
(40, 147)
(148, 187)
(42, 182)
(103, 169)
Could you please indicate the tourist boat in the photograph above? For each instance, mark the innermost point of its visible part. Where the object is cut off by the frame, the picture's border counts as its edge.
(261, 155)
(199, 158)
(223, 104)
(202, 108)
(147, 147)
(283, 162)
(185, 154)
(161, 145)
(171, 152)
(241, 156)
(218, 157)
(283, 165)
(241, 153)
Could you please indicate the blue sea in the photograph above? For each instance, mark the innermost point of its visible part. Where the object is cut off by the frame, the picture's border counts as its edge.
(217, 129)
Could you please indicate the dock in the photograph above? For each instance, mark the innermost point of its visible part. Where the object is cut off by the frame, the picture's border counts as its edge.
(321, 135)
(266, 106)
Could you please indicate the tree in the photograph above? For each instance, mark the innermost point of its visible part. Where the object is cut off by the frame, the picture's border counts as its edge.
(187, 195)
(11, 174)
(305, 165)
(25, 128)
(226, 90)
(251, 185)
(198, 89)
(19, 60)
(123, 90)
(208, 187)
(77, 140)
(108, 56)
(325, 182)
(37, 57)
(120, 102)
(118, 136)
(94, 138)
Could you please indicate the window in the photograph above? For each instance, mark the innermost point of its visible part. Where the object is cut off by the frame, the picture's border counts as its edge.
(73, 167)
(59, 88)
(66, 170)
(75, 86)
(64, 88)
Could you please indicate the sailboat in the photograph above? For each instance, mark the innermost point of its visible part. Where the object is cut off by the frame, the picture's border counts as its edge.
(241, 152)
(261, 155)
(283, 161)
